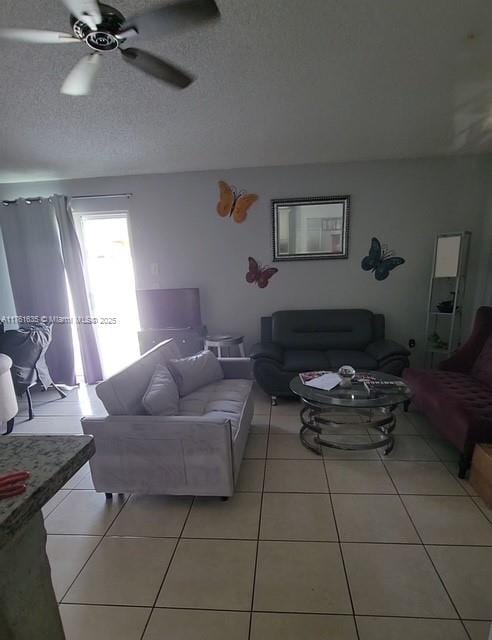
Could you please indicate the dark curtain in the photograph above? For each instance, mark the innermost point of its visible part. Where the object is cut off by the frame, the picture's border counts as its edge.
(37, 275)
(72, 256)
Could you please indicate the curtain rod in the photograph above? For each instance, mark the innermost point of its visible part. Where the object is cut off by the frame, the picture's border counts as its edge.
(105, 195)
(89, 197)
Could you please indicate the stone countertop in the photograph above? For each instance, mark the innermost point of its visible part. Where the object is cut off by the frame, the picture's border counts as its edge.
(51, 461)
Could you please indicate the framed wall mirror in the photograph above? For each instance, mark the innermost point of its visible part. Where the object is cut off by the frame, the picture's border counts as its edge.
(310, 228)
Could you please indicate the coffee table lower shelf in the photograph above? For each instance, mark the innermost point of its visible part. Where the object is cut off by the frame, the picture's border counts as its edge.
(315, 420)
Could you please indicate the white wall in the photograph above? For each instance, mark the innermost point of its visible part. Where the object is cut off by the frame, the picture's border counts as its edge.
(484, 276)
(404, 203)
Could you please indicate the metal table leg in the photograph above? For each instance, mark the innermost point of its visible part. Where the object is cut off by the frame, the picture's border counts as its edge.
(313, 437)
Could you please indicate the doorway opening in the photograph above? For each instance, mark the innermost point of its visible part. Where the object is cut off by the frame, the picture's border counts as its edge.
(105, 244)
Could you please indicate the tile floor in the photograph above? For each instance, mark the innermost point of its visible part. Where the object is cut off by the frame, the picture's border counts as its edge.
(346, 546)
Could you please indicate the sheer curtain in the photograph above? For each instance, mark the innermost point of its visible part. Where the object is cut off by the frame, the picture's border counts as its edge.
(42, 251)
(72, 256)
(37, 275)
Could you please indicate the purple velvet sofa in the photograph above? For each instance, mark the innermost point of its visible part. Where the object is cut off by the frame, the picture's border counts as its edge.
(457, 397)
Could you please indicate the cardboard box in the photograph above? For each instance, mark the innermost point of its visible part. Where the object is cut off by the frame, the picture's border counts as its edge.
(481, 472)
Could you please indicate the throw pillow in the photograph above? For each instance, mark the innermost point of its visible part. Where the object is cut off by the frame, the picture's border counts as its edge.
(161, 397)
(196, 371)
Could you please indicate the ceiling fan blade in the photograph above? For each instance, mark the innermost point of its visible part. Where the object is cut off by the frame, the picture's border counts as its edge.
(171, 17)
(157, 67)
(37, 36)
(79, 80)
(86, 10)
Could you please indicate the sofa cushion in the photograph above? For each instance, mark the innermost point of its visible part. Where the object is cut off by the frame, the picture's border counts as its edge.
(224, 398)
(162, 396)
(298, 360)
(482, 367)
(122, 393)
(323, 329)
(196, 371)
(359, 360)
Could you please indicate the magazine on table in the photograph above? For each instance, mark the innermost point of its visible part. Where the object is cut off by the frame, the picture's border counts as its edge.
(325, 380)
(374, 381)
(328, 380)
(306, 376)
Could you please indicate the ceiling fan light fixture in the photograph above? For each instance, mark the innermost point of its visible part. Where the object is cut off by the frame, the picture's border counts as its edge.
(88, 11)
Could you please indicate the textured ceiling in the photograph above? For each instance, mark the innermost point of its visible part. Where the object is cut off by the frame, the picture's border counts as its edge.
(278, 82)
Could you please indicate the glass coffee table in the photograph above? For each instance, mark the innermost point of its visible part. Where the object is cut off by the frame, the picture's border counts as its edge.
(371, 406)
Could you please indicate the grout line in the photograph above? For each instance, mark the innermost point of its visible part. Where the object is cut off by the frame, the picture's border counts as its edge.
(371, 493)
(342, 556)
(272, 611)
(482, 510)
(102, 604)
(178, 539)
(340, 458)
(93, 551)
(259, 528)
(281, 540)
(74, 535)
(429, 557)
(45, 516)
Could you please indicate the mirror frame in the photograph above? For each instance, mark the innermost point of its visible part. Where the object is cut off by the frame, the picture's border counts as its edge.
(345, 200)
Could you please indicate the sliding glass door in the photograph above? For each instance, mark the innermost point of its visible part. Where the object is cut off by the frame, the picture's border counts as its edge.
(105, 243)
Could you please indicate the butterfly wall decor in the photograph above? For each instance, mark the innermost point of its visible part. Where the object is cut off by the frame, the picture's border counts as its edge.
(380, 260)
(257, 273)
(234, 203)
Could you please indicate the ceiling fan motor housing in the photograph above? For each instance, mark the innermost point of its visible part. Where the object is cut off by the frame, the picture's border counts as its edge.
(104, 39)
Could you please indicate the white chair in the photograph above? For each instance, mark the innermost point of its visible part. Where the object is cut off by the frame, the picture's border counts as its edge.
(8, 401)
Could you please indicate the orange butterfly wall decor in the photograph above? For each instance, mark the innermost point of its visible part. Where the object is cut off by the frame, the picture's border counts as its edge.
(234, 203)
(260, 275)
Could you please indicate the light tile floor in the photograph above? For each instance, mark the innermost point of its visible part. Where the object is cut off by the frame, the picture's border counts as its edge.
(347, 546)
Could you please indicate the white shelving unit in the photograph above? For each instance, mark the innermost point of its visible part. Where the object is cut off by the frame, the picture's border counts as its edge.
(447, 283)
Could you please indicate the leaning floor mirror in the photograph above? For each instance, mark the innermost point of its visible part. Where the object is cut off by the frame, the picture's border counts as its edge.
(310, 228)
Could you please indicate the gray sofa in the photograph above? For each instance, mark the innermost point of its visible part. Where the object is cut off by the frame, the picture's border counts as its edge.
(196, 452)
(322, 339)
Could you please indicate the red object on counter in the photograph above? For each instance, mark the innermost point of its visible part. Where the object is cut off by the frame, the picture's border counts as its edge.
(13, 484)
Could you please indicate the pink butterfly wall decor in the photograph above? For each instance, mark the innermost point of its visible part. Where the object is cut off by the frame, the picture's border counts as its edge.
(260, 275)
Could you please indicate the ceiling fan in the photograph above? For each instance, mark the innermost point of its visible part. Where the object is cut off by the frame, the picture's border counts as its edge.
(104, 29)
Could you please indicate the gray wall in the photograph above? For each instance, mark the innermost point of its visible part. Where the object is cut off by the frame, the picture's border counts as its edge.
(404, 203)
(484, 276)
(7, 306)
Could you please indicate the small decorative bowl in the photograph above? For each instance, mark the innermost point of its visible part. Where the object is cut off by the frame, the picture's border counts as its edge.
(346, 372)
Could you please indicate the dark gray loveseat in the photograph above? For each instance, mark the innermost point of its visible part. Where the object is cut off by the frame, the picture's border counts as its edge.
(295, 341)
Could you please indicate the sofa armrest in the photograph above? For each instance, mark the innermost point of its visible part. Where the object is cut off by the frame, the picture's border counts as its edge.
(267, 350)
(383, 349)
(179, 455)
(238, 368)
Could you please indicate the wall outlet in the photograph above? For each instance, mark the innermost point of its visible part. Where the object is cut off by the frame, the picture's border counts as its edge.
(411, 343)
